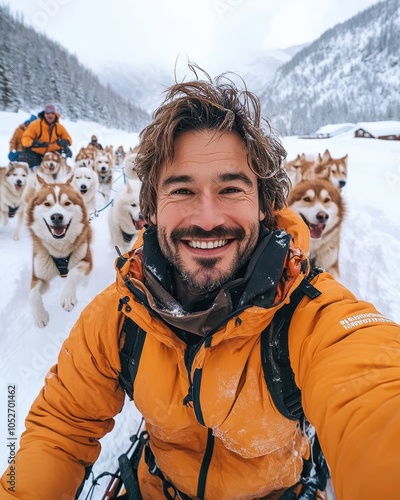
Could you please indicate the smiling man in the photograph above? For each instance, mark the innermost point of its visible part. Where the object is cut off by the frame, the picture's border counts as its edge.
(194, 331)
(208, 213)
(43, 135)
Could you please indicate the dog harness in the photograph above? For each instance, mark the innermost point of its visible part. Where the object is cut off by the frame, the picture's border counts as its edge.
(62, 265)
(12, 211)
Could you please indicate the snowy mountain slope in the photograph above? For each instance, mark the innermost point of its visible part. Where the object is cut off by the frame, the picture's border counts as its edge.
(351, 73)
(368, 258)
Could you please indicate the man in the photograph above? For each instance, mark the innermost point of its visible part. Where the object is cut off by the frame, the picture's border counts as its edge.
(219, 260)
(94, 143)
(15, 142)
(43, 135)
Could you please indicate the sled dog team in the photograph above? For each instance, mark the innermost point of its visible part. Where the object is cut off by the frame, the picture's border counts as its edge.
(55, 202)
(317, 181)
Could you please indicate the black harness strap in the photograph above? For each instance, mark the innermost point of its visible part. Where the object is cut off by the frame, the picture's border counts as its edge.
(275, 360)
(62, 265)
(130, 354)
(12, 211)
(286, 395)
(126, 236)
(104, 178)
(170, 491)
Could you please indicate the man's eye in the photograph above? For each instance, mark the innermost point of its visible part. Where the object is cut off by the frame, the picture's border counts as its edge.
(232, 190)
(181, 191)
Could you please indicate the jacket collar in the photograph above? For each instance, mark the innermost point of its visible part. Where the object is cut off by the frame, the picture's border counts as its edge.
(255, 284)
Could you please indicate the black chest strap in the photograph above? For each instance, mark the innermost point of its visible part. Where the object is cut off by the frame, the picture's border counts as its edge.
(130, 354)
(62, 265)
(278, 373)
(12, 211)
(126, 236)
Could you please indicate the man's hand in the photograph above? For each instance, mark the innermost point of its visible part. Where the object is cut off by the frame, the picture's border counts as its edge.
(63, 143)
(39, 144)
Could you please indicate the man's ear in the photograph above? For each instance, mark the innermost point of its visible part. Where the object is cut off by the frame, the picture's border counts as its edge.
(261, 216)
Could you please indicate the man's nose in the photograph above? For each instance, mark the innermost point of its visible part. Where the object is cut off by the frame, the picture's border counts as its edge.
(207, 212)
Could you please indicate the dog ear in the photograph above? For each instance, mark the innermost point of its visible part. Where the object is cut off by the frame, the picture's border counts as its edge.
(326, 156)
(69, 179)
(40, 180)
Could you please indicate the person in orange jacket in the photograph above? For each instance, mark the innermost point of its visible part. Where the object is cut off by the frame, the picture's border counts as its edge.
(220, 258)
(15, 142)
(43, 135)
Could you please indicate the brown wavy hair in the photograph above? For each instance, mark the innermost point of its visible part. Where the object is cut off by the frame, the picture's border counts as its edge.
(218, 105)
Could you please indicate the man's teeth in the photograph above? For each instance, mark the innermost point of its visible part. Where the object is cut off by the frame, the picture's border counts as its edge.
(207, 244)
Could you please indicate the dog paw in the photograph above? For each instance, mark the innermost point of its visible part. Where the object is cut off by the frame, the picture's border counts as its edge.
(15, 237)
(68, 302)
(42, 319)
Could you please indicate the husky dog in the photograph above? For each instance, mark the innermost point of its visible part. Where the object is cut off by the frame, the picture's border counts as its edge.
(103, 165)
(61, 234)
(119, 156)
(86, 182)
(13, 182)
(337, 168)
(86, 157)
(295, 168)
(53, 168)
(310, 167)
(321, 206)
(129, 164)
(124, 218)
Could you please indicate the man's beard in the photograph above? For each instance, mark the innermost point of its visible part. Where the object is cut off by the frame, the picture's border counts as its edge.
(206, 276)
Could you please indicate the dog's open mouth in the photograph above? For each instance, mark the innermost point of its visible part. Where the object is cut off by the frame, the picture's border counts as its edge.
(138, 223)
(316, 230)
(58, 231)
(83, 191)
(18, 186)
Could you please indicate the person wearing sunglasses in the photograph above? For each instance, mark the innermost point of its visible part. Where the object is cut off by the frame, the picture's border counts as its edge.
(44, 135)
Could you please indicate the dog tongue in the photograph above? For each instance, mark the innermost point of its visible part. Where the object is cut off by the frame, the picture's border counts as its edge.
(138, 224)
(316, 230)
(18, 187)
(58, 230)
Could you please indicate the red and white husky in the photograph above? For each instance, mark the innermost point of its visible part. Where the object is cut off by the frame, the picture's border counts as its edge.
(61, 234)
(321, 206)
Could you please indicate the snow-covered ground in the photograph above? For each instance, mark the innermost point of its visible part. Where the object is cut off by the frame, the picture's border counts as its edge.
(368, 259)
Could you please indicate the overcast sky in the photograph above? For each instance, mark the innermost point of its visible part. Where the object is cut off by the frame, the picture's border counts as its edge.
(216, 34)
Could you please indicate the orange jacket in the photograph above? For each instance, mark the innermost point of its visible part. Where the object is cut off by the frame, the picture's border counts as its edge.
(40, 130)
(345, 356)
(15, 142)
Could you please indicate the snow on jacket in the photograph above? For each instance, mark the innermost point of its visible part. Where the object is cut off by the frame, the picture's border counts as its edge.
(42, 131)
(345, 356)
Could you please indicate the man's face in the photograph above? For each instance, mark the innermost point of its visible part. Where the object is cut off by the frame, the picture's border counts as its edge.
(207, 208)
(50, 117)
